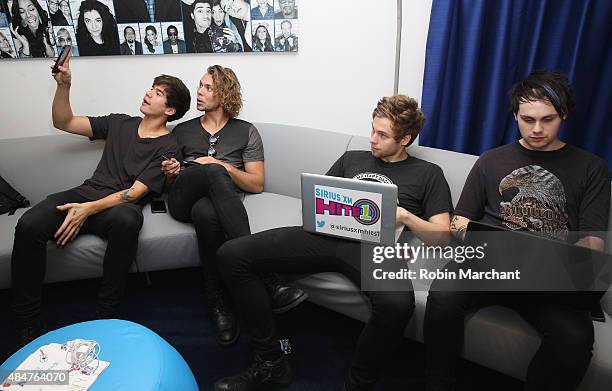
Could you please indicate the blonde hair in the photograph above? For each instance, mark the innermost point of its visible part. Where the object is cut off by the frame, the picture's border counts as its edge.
(227, 88)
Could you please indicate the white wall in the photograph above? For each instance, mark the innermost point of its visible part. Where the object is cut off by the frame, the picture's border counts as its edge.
(415, 25)
(345, 64)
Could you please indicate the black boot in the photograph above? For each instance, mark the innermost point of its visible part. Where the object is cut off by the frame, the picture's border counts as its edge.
(228, 328)
(27, 331)
(105, 310)
(283, 297)
(262, 375)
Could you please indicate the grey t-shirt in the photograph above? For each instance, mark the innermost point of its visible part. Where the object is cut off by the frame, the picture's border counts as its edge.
(239, 142)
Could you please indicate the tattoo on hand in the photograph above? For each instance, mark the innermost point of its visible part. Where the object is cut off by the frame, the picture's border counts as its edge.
(74, 212)
(458, 232)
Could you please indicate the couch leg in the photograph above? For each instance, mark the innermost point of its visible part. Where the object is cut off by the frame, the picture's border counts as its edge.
(147, 279)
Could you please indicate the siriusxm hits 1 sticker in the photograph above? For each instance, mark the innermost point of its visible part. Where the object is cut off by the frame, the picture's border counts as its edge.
(349, 213)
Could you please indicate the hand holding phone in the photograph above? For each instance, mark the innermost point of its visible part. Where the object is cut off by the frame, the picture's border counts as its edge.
(62, 77)
(170, 166)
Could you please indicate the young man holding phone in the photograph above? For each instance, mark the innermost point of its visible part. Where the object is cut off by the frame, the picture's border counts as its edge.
(109, 204)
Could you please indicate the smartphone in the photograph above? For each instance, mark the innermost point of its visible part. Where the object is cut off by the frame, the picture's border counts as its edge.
(158, 206)
(61, 59)
(189, 163)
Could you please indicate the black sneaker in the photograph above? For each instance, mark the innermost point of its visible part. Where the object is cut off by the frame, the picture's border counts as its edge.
(262, 375)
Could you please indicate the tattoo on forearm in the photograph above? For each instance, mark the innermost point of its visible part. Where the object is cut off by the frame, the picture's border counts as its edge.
(125, 195)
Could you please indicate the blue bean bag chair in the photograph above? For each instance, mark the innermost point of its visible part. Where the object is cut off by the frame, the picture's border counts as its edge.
(140, 360)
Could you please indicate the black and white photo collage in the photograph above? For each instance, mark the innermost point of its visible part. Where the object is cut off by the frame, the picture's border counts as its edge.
(40, 28)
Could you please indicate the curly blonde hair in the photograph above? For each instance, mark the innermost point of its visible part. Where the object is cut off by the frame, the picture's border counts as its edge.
(227, 88)
(404, 114)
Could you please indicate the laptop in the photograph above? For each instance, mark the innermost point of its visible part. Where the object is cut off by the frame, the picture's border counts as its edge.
(546, 264)
(350, 209)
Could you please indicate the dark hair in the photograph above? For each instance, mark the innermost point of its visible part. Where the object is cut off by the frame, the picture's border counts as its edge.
(110, 35)
(286, 21)
(267, 45)
(404, 114)
(192, 6)
(146, 40)
(35, 39)
(128, 27)
(548, 85)
(171, 27)
(212, 5)
(177, 95)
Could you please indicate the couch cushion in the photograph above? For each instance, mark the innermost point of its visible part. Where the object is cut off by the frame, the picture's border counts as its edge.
(292, 150)
(39, 166)
(7, 233)
(164, 243)
(269, 210)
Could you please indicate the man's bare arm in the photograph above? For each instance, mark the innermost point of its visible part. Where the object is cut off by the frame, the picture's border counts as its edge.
(433, 231)
(133, 194)
(61, 110)
(251, 179)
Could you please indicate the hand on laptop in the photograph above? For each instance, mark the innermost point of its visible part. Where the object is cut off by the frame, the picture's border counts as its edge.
(401, 215)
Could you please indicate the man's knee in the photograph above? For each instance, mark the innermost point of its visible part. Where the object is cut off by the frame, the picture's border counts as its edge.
(126, 218)
(393, 305)
(571, 340)
(214, 169)
(445, 306)
(212, 173)
(31, 224)
(232, 257)
(203, 214)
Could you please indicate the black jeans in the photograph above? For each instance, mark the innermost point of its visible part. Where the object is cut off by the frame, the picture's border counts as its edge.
(119, 225)
(292, 250)
(566, 332)
(206, 196)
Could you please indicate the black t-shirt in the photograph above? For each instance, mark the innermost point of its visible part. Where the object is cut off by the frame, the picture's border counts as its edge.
(552, 192)
(126, 158)
(421, 186)
(239, 142)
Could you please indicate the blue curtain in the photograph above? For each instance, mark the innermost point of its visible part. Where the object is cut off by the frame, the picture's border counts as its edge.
(476, 50)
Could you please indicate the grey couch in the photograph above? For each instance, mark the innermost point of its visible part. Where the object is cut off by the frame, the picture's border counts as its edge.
(495, 337)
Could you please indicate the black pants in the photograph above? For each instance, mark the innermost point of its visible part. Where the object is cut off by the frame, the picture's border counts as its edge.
(292, 250)
(119, 225)
(206, 196)
(566, 332)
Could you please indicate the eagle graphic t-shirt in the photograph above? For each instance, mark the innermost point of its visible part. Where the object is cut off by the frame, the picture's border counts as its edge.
(421, 186)
(551, 192)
